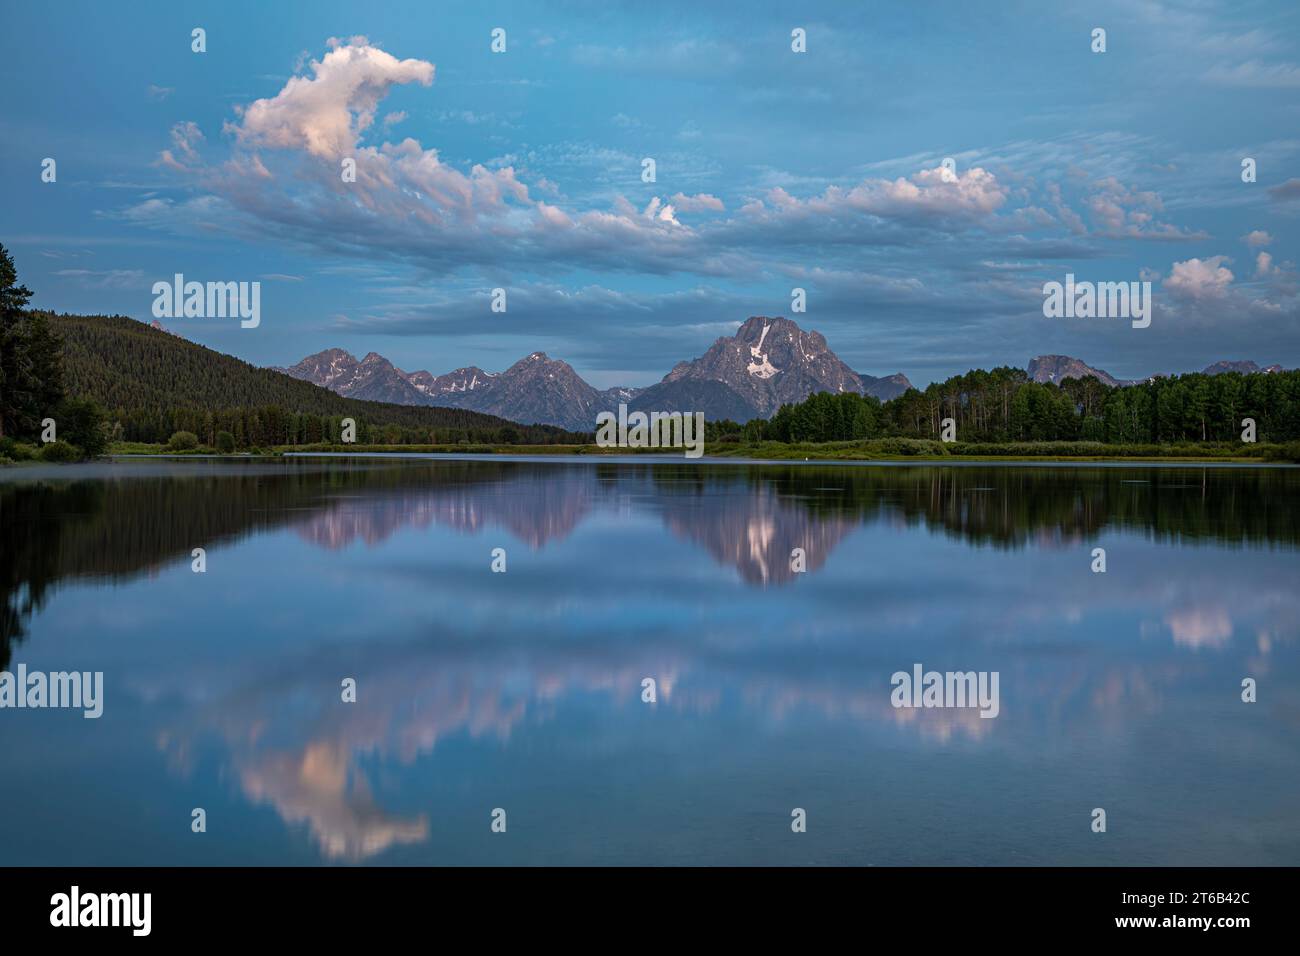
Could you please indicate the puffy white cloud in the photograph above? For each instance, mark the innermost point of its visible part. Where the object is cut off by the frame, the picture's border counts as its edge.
(1257, 237)
(1200, 278)
(327, 113)
(931, 192)
(406, 201)
(1282, 284)
(657, 209)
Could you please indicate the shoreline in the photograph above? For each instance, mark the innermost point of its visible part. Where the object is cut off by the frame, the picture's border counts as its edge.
(767, 454)
(958, 461)
(831, 453)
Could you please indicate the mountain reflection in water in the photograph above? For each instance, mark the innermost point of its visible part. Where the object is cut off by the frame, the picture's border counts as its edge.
(523, 689)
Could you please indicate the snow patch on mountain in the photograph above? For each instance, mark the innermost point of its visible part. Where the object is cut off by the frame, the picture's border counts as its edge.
(763, 368)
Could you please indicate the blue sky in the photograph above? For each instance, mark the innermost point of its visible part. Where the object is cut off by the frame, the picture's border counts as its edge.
(522, 170)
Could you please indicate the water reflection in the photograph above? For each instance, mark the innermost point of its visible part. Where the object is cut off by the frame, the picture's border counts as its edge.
(379, 571)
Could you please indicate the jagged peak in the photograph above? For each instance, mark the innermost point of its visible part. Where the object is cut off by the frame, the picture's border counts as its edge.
(540, 360)
(756, 323)
(331, 354)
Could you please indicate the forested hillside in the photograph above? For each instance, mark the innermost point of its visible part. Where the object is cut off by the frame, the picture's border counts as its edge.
(153, 384)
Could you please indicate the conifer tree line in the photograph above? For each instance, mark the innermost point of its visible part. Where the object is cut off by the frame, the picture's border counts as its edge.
(31, 376)
(1005, 406)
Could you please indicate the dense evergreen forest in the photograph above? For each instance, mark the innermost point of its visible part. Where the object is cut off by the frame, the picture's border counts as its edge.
(31, 366)
(1005, 406)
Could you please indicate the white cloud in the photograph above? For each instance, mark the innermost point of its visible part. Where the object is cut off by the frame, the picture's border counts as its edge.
(1200, 278)
(327, 113)
(1119, 211)
(928, 194)
(702, 202)
(185, 136)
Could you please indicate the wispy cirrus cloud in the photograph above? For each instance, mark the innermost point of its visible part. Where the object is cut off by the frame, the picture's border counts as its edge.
(1255, 74)
(1288, 191)
(104, 278)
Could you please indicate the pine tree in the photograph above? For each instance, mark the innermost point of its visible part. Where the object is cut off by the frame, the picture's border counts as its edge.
(31, 359)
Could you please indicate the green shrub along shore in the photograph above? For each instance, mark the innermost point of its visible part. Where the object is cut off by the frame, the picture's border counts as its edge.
(931, 450)
(876, 449)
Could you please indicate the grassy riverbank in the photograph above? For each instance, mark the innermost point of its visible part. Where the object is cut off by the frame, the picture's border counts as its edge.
(929, 450)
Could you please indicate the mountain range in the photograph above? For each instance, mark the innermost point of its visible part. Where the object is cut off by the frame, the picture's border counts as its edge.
(769, 362)
(1057, 368)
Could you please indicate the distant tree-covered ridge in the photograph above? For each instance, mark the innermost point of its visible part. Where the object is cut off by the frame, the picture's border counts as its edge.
(154, 384)
(1004, 406)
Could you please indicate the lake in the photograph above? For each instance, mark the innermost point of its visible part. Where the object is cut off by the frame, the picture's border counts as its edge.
(523, 690)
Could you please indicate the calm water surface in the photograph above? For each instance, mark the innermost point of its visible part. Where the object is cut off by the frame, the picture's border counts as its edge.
(522, 690)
